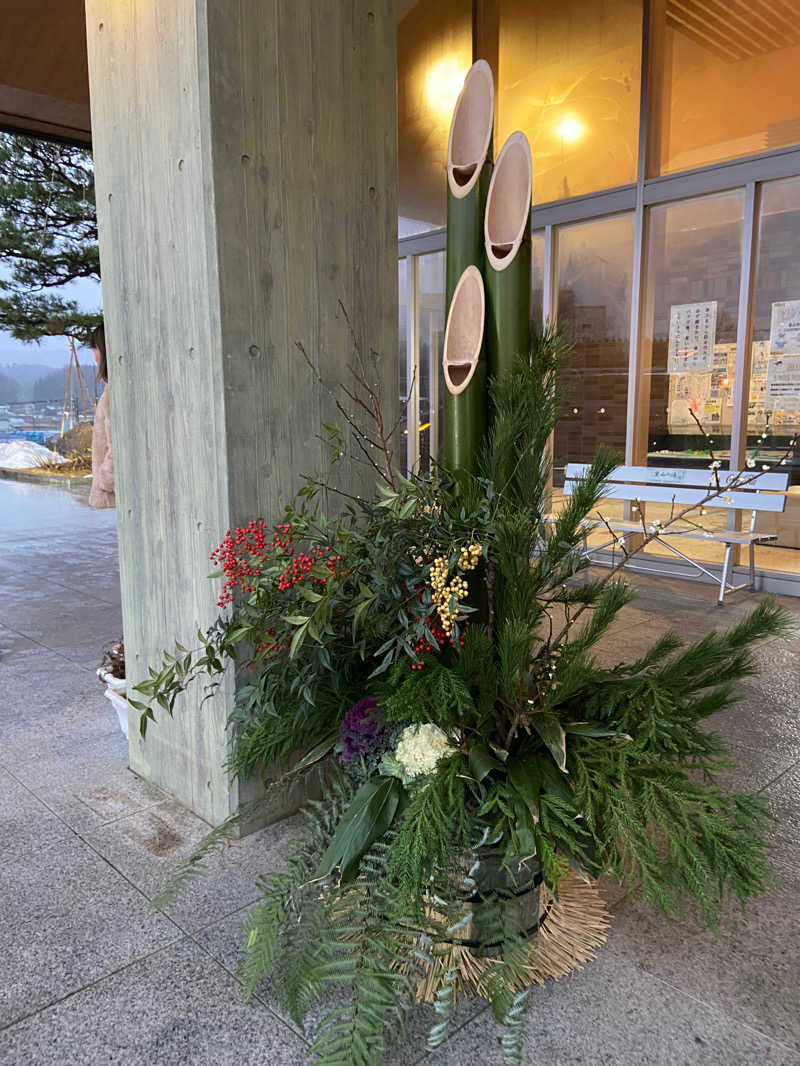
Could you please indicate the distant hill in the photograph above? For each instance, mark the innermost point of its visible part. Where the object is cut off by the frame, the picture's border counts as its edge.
(24, 382)
(50, 387)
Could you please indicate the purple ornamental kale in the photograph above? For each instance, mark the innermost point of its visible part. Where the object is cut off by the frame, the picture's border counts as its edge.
(361, 730)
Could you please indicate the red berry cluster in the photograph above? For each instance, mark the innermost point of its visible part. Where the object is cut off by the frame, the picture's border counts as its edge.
(270, 646)
(242, 553)
(441, 637)
(299, 569)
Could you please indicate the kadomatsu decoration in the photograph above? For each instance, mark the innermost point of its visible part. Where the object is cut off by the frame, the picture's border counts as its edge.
(427, 654)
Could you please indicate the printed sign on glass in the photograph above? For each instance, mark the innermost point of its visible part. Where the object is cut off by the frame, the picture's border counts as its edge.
(692, 334)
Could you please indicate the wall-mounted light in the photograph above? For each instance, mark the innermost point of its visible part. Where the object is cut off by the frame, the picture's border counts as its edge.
(443, 83)
(570, 129)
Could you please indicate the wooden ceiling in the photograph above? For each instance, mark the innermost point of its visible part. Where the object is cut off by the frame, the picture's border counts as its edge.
(44, 82)
(44, 79)
(737, 29)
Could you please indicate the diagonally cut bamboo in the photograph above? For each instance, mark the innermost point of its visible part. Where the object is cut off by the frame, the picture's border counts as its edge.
(507, 246)
(469, 165)
(469, 143)
(465, 373)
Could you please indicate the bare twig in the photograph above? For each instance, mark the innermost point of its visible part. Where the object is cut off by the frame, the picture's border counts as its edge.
(385, 473)
(617, 540)
(715, 463)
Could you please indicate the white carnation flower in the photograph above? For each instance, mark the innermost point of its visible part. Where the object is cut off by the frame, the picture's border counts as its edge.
(420, 748)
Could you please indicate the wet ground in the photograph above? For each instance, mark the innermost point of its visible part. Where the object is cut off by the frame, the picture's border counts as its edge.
(91, 974)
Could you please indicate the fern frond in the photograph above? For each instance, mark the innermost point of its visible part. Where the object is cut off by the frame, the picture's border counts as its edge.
(444, 1007)
(370, 950)
(514, 1028)
(282, 893)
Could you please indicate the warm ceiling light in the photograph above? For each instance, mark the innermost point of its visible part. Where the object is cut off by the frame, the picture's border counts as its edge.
(443, 83)
(570, 129)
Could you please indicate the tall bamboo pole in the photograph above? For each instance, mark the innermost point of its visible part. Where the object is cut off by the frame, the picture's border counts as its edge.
(465, 372)
(507, 246)
(469, 165)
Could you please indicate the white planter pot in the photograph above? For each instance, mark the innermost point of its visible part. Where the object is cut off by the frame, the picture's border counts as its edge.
(115, 693)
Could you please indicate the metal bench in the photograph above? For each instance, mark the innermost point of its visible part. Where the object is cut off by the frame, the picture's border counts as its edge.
(679, 488)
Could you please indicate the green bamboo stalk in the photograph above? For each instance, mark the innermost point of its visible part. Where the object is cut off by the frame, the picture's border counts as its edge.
(465, 425)
(464, 372)
(507, 247)
(465, 231)
(469, 169)
(464, 422)
(508, 318)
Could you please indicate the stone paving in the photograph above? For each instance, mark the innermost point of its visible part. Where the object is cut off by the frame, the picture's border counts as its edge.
(90, 973)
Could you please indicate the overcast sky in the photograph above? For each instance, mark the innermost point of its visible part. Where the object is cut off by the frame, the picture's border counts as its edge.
(53, 351)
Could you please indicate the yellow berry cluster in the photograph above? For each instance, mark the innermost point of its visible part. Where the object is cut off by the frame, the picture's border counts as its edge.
(444, 591)
(469, 556)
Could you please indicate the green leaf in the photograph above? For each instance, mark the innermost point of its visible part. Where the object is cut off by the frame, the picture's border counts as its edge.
(482, 762)
(309, 594)
(317, 752)
(586, 729)
(358, 612)
(554, 782)
(550, 730)
(523, 840)
(525, 777)
(236, 634)
(385, 662)
(296, 619)
(408, 508)
(368, 817)
(298, 638)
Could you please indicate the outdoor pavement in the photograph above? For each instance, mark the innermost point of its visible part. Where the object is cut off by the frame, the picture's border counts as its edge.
(90, 973)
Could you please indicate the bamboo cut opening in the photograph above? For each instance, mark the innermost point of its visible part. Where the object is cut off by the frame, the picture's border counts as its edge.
(471, 129)
(508, 203)
(463, 337)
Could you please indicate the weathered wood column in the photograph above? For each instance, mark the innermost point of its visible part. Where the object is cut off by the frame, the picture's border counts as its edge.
(246, 181)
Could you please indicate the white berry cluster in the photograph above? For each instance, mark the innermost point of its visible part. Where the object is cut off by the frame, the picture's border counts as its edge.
(420, 748)
(446, 590)
(469, 556)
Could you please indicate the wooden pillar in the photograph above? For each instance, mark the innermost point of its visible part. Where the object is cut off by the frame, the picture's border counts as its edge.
(486, 45)
(246, 174)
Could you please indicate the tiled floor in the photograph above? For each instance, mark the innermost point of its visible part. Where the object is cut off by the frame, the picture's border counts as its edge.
(90, 973)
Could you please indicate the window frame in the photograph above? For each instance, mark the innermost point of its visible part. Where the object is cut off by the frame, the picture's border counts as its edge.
(748, 173)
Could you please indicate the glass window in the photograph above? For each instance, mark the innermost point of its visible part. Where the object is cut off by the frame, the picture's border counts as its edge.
(431, 343)
(569, 76)
(401, 447)
(774, 408)
(434, 52)
(688, 352)
(594, 310)
(725, 75)
(689, 329)
(537, 277)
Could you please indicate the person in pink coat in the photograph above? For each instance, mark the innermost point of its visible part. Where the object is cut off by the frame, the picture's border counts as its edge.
(102, 492)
